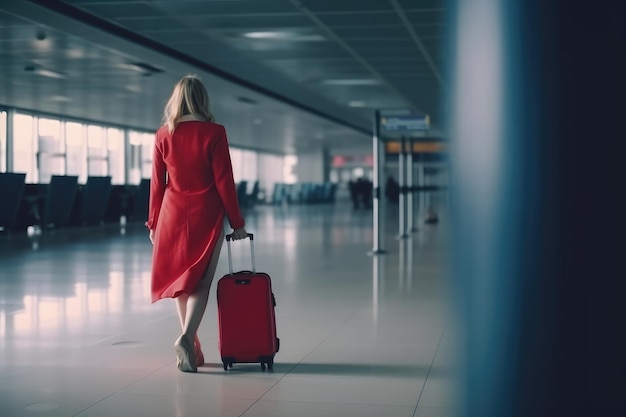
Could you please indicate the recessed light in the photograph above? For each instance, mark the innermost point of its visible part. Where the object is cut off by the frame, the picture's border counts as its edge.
(352, 81)
(49, 73)
(60, 99)
(142, 68)
(247, 100)
(43, 72)
(284, 36)
(264, 35)
(356, 103)
(75, 53)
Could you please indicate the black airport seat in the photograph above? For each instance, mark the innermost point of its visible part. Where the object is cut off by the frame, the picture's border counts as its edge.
(95, 200)
(59, 200)
(11, 191)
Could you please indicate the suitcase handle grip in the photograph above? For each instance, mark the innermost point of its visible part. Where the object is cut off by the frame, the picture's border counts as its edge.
(229, 237)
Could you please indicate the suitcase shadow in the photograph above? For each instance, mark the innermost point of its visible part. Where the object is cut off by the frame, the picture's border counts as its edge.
(339, 369)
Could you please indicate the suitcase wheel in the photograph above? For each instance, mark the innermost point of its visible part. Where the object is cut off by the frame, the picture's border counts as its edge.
(225, 366)
(269, 365)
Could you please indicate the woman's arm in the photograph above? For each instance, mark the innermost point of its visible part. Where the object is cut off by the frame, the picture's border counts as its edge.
(157, 186)
(224, 181)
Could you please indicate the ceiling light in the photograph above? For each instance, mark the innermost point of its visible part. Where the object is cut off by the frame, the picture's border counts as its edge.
(285, 36)
(356, 103)
(43, 72)
(142, 68)
(247, 100)
(60, 99)
(353, 81)
(265, 35)
(75, 53)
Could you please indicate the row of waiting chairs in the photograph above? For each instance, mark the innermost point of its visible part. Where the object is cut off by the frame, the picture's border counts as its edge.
(304, 193)
(64, 202)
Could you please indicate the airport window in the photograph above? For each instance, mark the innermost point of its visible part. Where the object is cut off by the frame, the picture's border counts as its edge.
(141, 151)
(117, 154)
(270, 173)
(147, 152)
(76, 151)
(289, 176)
(3, 141)
(334, 175)
(134, 169)
(249, 165)
(97, 157)
(24, 146)
(51, 149)
(236, 156)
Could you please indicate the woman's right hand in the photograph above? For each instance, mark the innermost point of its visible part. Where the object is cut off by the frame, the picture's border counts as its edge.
(239, 234)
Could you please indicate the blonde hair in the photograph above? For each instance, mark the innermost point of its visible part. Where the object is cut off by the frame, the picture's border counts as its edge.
(188, 98)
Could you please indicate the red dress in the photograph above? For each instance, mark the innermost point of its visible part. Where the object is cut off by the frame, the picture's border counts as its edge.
(191, 190)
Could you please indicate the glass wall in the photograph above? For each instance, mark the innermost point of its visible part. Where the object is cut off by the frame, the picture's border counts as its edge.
(141, 150)
(236, 161)
(76, 151)
(289, 165)
(147, 152)
(270, 173)
(51, 144)
(24, 149)
(116, 155)
(43, 146)
(3, 141)
(97, 155)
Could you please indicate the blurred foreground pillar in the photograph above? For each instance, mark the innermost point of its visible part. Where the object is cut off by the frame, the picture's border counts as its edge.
(537, 121)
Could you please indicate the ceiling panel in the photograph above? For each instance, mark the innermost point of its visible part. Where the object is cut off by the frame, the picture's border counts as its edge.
(251, 22)
(426, 17)
(149, 24)
(422, 4)
(376, 23)
(380, 31)
(378, 18)
(291, 56)
(129, 10)
(335, 6)
(187, 8)
(96, 85)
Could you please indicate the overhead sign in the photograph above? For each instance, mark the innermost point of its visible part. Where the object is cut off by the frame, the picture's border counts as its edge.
(404, 122)
(395, 147)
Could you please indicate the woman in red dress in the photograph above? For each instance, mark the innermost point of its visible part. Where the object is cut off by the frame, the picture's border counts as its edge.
(191, 190)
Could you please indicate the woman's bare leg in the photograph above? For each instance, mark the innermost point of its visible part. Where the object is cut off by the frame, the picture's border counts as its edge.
(197, 302)
(191, 309)
(181, 307)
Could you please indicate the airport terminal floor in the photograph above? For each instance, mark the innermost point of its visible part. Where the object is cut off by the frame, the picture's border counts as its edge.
(360, 335)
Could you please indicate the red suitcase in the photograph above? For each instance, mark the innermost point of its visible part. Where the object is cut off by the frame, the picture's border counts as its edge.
(245, 307)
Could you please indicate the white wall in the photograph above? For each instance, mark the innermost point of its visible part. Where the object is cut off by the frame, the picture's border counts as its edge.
(310, 167)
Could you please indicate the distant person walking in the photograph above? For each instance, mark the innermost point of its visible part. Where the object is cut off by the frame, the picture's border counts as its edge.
(191, 190)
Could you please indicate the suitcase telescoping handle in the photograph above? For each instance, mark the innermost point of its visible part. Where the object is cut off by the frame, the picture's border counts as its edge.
(230, 257)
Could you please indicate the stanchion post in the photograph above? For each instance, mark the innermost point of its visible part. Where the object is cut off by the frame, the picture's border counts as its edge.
(410, 211)
(402, 157)
(377, 206)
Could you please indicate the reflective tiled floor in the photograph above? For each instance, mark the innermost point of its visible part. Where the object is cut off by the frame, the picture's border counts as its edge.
(361, 335)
